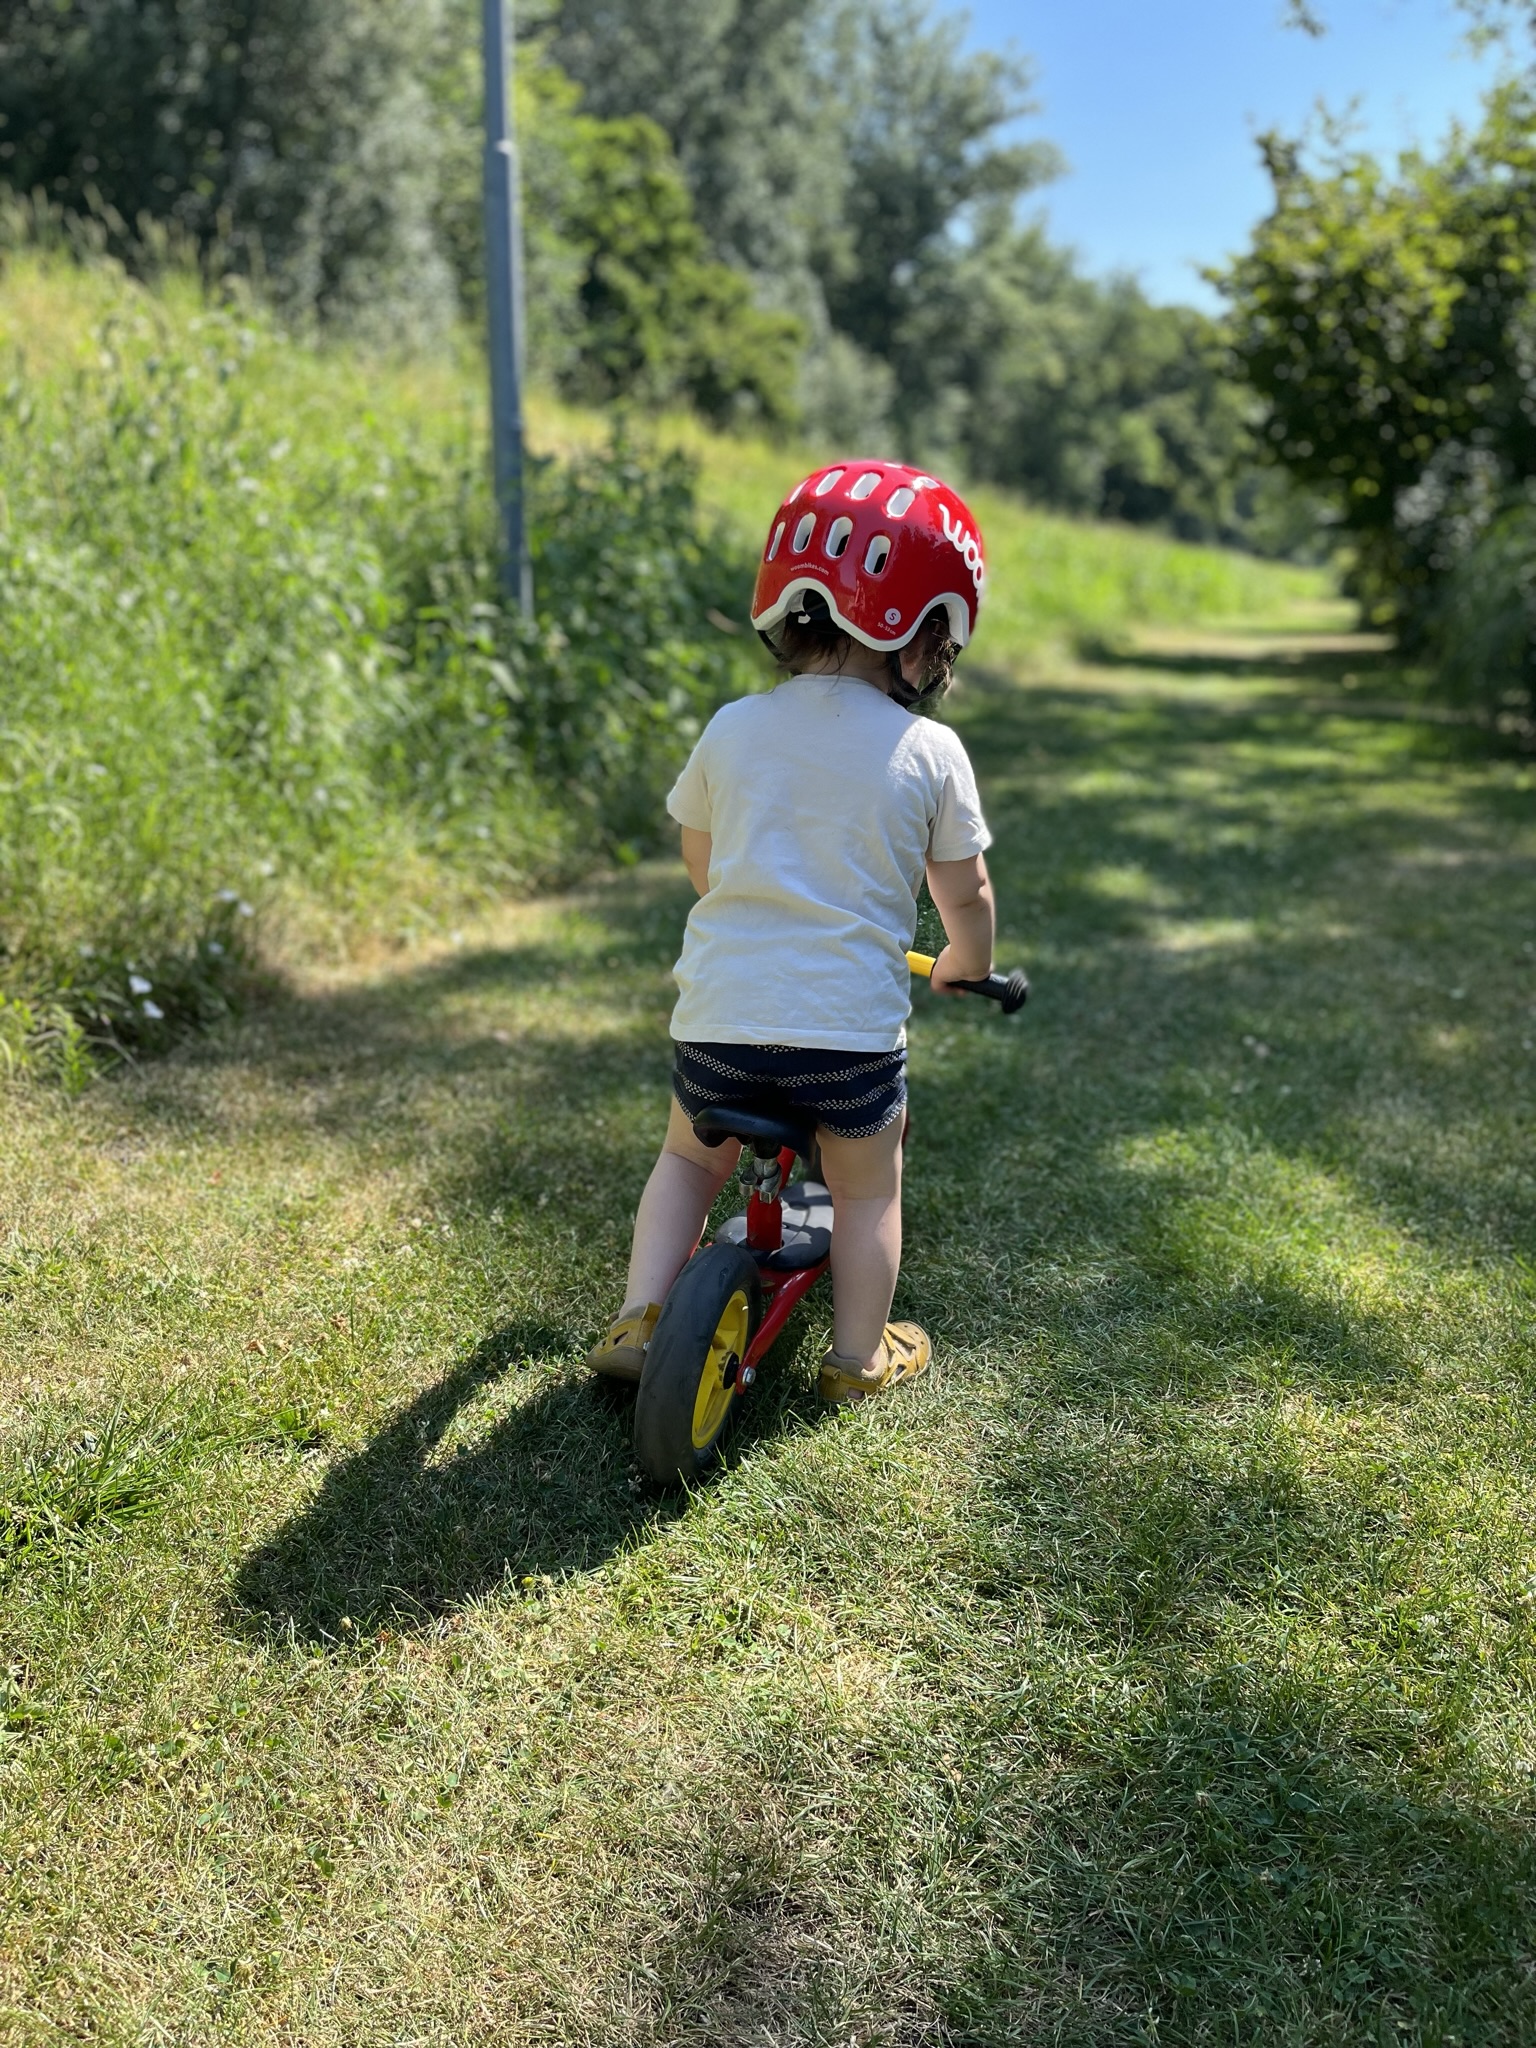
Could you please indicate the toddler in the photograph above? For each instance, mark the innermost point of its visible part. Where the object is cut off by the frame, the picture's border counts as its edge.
(810, 816)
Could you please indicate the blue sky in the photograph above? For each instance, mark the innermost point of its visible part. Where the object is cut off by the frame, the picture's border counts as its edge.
(1155, 104)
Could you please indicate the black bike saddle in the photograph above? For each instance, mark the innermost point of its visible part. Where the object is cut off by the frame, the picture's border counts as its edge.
(766, 1135)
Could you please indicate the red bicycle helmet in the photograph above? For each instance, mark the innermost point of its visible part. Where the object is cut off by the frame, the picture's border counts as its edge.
(883, 544)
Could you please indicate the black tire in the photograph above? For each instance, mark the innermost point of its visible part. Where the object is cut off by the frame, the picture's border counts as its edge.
(688, 1390)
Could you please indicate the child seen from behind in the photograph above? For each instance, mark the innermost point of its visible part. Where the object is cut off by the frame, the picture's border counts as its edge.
(810, 817)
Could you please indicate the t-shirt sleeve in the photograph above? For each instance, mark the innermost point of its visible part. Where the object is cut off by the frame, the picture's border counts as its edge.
(689, 798)
(959, 829)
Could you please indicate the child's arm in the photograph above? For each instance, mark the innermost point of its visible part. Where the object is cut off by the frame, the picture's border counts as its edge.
(696, 851)
(962, 894)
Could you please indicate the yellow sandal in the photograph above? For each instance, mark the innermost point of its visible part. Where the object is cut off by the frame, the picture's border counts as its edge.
(904, 1353)
(621, 1354)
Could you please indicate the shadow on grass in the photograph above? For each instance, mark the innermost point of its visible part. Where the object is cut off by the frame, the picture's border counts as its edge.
(403, 1532)
(1199, 1851)
(400, 1534)
(1123, 1038)
(1331, 662)
(1233, 1863)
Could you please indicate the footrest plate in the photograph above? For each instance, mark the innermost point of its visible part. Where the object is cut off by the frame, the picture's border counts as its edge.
(807, 1224)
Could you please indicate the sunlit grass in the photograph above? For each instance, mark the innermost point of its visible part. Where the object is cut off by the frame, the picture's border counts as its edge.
(1165, 1671)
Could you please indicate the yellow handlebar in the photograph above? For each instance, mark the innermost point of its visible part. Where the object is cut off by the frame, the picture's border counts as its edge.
(921, 963)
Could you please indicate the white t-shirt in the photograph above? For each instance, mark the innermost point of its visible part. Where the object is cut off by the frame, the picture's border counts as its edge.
(824, 801)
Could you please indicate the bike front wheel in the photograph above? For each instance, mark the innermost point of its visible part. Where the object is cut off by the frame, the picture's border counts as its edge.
(692, 1366)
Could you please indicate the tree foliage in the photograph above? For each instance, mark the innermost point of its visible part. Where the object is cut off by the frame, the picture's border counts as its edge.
(625, 298)
(854, 158)
(660, 317)
(923, 176)
(294, 134)
(741, 90)
(1387, 325)
(334, 150)
(1103, 402)
(806, 209)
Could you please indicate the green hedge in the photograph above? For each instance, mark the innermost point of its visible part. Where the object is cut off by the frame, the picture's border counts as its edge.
(247, 653)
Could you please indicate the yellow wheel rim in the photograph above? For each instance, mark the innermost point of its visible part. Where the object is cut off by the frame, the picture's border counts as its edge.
(717, 1382)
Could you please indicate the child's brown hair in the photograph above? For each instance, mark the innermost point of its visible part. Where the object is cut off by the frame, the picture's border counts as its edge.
(810, 638)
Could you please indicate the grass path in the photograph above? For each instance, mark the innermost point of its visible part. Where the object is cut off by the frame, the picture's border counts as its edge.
(1165, 1672)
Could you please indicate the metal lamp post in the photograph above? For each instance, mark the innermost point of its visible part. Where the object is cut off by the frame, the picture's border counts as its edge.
(504, 301)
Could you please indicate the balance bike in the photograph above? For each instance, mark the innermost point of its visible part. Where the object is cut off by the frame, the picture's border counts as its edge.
(736, 1293)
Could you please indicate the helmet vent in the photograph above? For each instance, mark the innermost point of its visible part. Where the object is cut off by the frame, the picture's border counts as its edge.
(829, 482)
(773, 545)
(878, 555)
(867, 485)
(899, 501)
(803, 533)
(925, 483)
(839, 533)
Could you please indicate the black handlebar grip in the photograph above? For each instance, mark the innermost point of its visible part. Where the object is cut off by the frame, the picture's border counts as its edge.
(1011, 990)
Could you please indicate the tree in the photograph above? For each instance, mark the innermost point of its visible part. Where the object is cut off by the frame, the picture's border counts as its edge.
(740, 89)
(624, 296)
(834, 149)
(924, 175)
(334, 150)
(660, 319)
(751, 208)
(291, 136)
(1386, 325)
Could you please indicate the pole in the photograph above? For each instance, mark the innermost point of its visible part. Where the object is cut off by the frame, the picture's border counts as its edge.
(504, 303)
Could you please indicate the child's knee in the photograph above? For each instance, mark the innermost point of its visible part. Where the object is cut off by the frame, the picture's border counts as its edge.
(863, 1169)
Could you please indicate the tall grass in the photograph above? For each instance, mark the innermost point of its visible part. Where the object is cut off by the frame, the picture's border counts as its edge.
(254, 650)
(1054, 582)
(257, 667)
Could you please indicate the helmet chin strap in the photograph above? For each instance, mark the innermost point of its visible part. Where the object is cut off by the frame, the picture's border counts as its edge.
(901, 690)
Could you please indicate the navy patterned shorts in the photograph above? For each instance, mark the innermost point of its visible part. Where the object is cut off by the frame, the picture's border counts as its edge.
(850, 1094)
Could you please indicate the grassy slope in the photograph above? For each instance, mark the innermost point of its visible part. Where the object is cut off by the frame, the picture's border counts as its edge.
(1051, 578)
(211, 543)
(1051, 575)
(1162, 1671)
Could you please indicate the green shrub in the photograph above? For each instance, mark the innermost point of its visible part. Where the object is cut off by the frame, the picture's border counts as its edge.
(588, 711)
(660, 319)
(295, 140)
(252, 647)
(1483, 628)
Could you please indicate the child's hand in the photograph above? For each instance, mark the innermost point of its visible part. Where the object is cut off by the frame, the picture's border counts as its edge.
(947, 970)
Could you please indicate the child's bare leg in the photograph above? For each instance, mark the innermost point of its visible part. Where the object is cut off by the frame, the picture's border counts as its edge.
(684, 1181)
(864, 1177)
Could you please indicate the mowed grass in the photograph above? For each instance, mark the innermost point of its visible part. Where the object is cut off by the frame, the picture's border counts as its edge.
(1160, 1671)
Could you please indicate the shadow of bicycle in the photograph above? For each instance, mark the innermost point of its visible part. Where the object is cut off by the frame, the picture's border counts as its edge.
(446, 1505)
(431, 1513)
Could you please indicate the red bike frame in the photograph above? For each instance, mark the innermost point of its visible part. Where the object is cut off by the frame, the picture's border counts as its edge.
(765, 1233)
(765, 1224)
